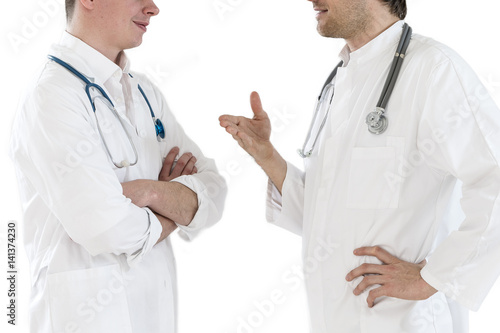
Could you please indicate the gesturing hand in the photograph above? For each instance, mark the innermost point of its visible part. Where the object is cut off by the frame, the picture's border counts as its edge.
(252, 134)
(397, 278)
(171, 169)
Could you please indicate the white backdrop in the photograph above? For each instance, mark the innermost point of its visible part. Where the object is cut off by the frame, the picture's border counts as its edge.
(207, 56)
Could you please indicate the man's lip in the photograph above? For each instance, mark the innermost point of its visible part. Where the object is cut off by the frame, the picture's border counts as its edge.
(320, 12)
(142, 25)
(320, 9)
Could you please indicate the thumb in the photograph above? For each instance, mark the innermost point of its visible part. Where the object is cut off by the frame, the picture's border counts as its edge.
(422, 263)
(256, 105)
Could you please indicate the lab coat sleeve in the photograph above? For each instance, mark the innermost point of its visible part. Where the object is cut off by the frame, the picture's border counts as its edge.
(287, 210)
(207, 183)
(60, 152)
(459, 135)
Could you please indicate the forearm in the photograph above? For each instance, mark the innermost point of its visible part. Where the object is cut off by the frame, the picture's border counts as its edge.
(168, 226)
(174, 200)
(170, 199)
(275, 167)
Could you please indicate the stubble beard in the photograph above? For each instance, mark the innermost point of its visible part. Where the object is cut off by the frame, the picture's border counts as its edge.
(352, 21)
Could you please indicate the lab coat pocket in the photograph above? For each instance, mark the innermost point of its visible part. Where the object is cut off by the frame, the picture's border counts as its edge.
(90, 300)
(370, 185)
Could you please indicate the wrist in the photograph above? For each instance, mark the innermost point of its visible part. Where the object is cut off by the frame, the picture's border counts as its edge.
(275, 167)
(426, 288)
(152, 192)
(270, 158)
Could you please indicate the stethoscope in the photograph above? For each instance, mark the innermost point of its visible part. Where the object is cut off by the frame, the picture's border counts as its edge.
(376, 121)
(160, 131)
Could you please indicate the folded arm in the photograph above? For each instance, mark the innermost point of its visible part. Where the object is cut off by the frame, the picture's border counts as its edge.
(169, 199)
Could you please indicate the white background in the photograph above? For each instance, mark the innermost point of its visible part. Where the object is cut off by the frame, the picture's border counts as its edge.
(207, 62)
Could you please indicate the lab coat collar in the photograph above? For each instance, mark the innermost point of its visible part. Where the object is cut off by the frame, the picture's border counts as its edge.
(387, 39)
(90, 62)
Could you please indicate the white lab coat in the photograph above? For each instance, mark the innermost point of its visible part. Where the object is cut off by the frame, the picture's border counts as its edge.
(94, 263)
(425, 189)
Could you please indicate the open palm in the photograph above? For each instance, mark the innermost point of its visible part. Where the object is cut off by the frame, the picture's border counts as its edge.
(252, 134)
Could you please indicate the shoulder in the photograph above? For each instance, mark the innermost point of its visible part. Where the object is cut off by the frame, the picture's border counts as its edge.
(54, 81)
(431, 63)
(430, 54)
(54, 91)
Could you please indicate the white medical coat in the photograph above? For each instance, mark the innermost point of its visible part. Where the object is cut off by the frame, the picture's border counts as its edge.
(94, 263)
(427, 188)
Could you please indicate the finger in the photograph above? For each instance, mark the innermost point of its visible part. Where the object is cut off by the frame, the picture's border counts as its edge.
(365, 269)
(168, 163)
(378, 252)
(367, 282)
(374, 294)
(226, 119)
(256, 105)
(195, 170)
(241, 137)
(232, 129)
(179, 166)
(188, 169)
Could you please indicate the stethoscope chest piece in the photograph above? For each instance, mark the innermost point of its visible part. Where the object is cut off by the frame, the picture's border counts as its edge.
(160, 130)
(377, 122)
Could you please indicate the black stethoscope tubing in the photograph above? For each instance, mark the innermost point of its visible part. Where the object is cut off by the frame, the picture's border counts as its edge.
(377, 121)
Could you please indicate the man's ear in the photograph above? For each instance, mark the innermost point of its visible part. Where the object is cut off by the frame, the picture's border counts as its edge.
(88, 4)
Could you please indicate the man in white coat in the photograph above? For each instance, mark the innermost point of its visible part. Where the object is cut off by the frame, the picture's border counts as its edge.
(401, 230)
(96, 220)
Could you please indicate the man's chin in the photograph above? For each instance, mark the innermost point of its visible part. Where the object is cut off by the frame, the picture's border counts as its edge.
(133, 45)
(322, 31)
(326, 31)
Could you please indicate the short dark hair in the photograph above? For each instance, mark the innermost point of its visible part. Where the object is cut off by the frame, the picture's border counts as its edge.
(70, 8)
(398, 7)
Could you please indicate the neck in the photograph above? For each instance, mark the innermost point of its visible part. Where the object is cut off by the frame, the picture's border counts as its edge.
(375, 27)
(96, 42)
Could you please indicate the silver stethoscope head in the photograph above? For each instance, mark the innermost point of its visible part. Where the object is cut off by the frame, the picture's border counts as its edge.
(377, 122)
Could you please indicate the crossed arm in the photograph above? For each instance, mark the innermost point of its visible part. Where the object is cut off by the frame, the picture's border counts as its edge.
(170, 201)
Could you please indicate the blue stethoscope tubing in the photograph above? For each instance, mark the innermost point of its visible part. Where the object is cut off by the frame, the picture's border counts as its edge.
(377, 121)
(159, 129)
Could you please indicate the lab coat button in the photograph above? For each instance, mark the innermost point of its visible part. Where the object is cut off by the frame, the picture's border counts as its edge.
(142, 134)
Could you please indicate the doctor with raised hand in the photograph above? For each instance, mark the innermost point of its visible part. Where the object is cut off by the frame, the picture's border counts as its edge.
(106, 174)
(398, 206)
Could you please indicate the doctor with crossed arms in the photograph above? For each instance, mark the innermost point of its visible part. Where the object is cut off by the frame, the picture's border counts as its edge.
(106, 174)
